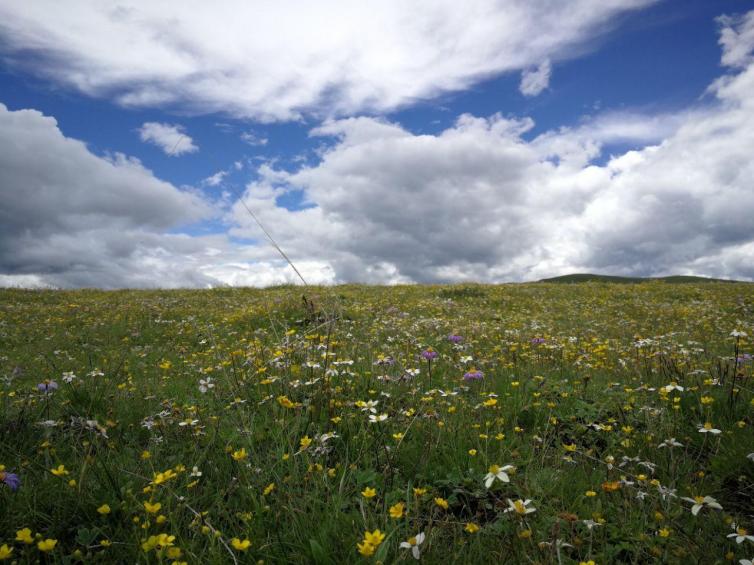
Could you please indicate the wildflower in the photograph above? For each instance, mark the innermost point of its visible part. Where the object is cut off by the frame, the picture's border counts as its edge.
(305, 442)
(413, 544)
(195, 472)
(158, 542)
(700, 502)
(47, 545)
(206, 384)
(590, 493)
(239, 455)
(671, 387)
(397, 510)
(24, 536)
(10, 479)
(429, 354)
(268, 489)
(473, 375)
(707, 428)
(441, 502)
(740, 534)
(664, 533)
(497, 472)
(163, 477)
(152, 508)
(611, 486)
(520, 507)
(371, 542)
(239, 545)
(537, 341)
(369, 492)
(5, 552)
(418, 491)
(60, 471)
(471, 528)
(104, 509)
(671, 443)
(570, 447)
(376, 419)
(47, 386)
(285, 402)
(68, 377)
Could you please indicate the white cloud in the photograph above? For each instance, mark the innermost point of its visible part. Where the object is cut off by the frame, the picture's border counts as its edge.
(479, 202)
(215, 179)
(279, 60)
(70, 218)
(737, 39)
(535, 80)
(253, 139)
(172, 139)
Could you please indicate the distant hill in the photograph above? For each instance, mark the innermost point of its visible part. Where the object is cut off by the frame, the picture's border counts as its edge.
(673, 279)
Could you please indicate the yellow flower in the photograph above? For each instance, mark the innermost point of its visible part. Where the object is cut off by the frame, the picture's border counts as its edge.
(268, 489)
(105, 542)
(471, 528)
(441, 502)
(165, 476)
(664, 533)
(610, 486)
(47, 545)
(524, 534)
(239, 545)
(240, 455)
(419, 491)
(489, 403)
(174, 552)
(369, 492)
(396, 510)
(24, 536)
(472, 452)
(285, 402)
(60, 471)
(374, 538)
(305, 442)
(152, 508)
(145, 454)
(590, 493)
(5, 552)
(104, 509)
(569, 447)
(366, 549)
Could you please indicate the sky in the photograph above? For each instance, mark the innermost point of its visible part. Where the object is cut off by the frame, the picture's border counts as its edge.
(152, 144)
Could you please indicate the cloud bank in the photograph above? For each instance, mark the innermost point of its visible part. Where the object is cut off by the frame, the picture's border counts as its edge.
(273, 61)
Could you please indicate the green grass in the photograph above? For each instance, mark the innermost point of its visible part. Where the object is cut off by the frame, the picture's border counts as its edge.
(572, 397)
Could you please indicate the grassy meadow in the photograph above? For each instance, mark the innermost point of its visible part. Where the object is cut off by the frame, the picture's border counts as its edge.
(534, 423)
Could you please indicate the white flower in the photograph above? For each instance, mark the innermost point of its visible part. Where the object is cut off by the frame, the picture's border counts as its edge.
(412, 372)
(375, 419)
(206, 384)
(520, 507)
(96, 373)
(466, 359)
(68, 377)
(738, 333)
(590, 523)
(413, 544)
(700, 502)
(671, 443)
(740, 534)
(370, 406)
(746, 561)
(750, 456)
(497, 472)
(672, 386)
(707, 428)
(195, 472)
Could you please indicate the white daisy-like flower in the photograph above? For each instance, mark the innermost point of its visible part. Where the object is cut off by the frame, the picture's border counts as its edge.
(413, 544)
(195, 472)
(520, 507)
(672, 386)
(740, 534)
(374, 419)
(700, 502)
(738, 333)
(206, 384)
(68, 377)
(706, 428)
(671, 443)
(497, 472)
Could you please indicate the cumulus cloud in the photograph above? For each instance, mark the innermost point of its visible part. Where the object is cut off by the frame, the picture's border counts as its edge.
(71, 218)
(737, 39)
(480, 202)
(172, 139)
(272, 61)
(535, 80)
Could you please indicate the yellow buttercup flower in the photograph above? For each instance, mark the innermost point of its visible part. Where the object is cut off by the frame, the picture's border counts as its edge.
(5, 552)
(397, 510)
(152, 508)
(104, 509)
(47, 545)
(471, 528)
(239, 545)
(59, 471)
(240, 455)
(24, 536)
(441, 502)
(369, 492)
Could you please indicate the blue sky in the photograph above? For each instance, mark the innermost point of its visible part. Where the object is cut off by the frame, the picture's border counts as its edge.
(639, 66)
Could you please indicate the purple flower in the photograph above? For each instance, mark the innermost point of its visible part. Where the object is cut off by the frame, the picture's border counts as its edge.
(473, 375)
(745, 358)
(452, 338)
(47, 386)
(429, 354)
(537, 340)
(10, 479)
